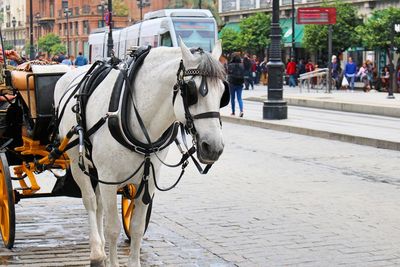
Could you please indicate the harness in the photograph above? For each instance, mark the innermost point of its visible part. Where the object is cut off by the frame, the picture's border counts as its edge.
(118, 119)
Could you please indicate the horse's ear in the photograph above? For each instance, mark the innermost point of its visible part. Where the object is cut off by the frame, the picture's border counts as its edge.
(186, 54)
(217, 51)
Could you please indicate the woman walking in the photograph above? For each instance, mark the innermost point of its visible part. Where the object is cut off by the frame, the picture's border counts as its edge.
(236, 80)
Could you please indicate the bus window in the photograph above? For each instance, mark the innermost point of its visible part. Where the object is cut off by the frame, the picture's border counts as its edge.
(166, 39)
(196, 33)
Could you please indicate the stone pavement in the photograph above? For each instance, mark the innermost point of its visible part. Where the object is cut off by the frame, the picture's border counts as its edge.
(273, 199)
(326, 122)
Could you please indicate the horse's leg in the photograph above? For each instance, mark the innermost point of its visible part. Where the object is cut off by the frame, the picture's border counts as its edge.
(97, 255)
(113, 226)
(100, 217)
(138, 221)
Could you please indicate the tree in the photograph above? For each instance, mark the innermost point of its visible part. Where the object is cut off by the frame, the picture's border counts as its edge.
(120, 8)
(48, 41)
(255, 31)
(376, 32)
(343, 32)
(205, 4)
(230, 40)
(57, 49)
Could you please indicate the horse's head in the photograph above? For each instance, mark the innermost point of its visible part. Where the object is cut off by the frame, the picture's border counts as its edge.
(204, 91)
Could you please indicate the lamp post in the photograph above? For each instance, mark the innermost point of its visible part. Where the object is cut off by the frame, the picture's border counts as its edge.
(293, 31)
(110, 42)
(31, 48)
(199, 4)
(141, 4)
(66, 11)
(392, 80)
(102, 7)
(14, 23)
(275, 108)
(37, 17)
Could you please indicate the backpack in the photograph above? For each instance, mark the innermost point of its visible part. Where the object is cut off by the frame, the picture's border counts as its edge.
(236, 73)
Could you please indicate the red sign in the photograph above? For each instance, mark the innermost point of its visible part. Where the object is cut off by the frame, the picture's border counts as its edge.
(316, 15)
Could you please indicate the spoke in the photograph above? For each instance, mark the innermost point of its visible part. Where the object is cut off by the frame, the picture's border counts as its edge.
(128, 213)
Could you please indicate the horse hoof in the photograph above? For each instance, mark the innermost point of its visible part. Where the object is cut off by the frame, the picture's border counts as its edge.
(97, 263)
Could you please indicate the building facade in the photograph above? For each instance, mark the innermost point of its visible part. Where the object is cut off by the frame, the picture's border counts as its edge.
(233, 11)
(13, 24)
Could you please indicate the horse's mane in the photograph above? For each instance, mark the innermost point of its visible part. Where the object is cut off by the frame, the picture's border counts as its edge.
(210, 65)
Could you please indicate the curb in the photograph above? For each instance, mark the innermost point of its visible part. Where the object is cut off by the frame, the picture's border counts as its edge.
(338, 106)
(359, 140)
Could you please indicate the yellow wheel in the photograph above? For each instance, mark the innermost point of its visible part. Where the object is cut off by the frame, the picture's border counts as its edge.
(7, 208)
(128, 208)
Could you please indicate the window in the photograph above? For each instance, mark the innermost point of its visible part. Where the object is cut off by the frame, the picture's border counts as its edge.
(166, 39)
(86, 9)
(99, 24)
(60, 28)
(76, 28)
(51, 8)
(77, 11)
(85, 27)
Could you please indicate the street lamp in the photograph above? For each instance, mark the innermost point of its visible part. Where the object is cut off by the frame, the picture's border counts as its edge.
(37, 17)
(293, 31)
(102, 7)
(31, 48)
(110, 42)
(141, 4)
(66, 12)
(14, 23)
(275, 108)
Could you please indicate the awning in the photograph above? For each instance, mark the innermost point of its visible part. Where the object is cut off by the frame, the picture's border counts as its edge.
(286, 26)
(232, 25)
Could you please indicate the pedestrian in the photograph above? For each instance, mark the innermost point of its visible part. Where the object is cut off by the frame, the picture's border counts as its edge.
(291, 71)
(254, 70)
(385, 78)
(398, 79)
(335, 71)
(350, 73)
(236, 74)
(248, 79)
(61, 57)
(264, 72)
(370, 68)
(68, 61)
(363, 74)
(80, 60)
(309, 68)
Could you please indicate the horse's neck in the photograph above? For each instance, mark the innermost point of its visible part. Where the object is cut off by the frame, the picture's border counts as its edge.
(153, 91)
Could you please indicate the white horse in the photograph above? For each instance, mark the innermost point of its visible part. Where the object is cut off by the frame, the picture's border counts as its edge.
(153, 94)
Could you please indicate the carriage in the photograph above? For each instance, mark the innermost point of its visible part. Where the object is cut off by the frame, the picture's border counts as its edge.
(29, 145)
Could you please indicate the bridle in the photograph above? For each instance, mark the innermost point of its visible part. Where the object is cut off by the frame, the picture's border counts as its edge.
(188, 90)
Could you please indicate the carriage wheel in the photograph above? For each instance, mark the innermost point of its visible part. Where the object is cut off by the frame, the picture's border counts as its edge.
(128, 208)
(7, 208)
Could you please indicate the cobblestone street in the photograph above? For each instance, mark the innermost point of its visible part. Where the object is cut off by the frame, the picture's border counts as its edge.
(273, 199)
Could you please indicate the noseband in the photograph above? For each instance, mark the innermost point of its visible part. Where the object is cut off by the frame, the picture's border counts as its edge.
(188, 91)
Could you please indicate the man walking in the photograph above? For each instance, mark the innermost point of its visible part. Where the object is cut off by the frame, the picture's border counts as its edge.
(291, 71)
(80, 60)
(350, 73)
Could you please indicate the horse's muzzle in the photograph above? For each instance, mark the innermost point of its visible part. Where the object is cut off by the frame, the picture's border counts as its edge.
(208, 152)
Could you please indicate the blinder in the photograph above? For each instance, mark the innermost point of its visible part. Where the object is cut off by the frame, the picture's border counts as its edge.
(191, 95)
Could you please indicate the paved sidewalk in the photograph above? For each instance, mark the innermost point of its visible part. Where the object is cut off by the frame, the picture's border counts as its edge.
(374, 102)
(353, 127)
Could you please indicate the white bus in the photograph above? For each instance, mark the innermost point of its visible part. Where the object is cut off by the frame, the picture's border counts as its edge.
(196, 27)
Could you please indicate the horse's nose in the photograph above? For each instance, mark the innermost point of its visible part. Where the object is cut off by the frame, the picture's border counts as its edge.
(210, 151)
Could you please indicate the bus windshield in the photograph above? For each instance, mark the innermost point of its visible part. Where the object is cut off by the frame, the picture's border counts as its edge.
(196, 33)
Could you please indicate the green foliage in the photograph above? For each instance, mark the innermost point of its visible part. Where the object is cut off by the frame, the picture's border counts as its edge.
(255, 31)
(377, 30)
(343, 32)
(48, 41)
(58, 48)
(8, 46)
(120, 8)
(230, 40)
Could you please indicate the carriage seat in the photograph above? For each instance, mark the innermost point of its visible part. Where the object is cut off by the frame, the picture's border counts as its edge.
(38, 94)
